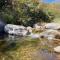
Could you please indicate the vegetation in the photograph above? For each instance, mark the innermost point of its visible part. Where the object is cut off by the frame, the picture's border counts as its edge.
(24, 12)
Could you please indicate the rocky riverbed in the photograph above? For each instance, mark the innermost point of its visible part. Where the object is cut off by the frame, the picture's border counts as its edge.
(39, 45)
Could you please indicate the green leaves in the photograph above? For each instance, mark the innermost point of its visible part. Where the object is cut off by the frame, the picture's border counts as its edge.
(24, 12)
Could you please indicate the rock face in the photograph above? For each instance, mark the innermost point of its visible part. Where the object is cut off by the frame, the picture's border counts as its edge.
(57, 49)
(15, 29)
(2, 25)
(55, 26)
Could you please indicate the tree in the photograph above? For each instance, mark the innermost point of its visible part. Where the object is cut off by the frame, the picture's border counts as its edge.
(23, 12)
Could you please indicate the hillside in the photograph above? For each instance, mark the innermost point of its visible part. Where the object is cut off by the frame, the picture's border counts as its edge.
(55, 9)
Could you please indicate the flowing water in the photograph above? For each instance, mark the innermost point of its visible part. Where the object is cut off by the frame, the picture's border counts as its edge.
(26, 48)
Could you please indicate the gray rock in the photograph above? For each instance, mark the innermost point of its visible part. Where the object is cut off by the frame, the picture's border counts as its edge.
(15, 29)
(52, 26)
(34, 36)
(50, 34)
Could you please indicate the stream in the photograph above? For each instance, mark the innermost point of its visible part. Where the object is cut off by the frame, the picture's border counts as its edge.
(41, 50)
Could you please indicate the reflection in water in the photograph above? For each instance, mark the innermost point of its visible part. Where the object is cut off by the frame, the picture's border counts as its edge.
(12, 38)
(8, 42)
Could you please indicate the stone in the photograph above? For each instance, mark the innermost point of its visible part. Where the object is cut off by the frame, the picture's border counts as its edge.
(34, 36)
(39, 27)
(57, 49)
(15, 29)
(55, 26)
(29, 29)
(50, 34)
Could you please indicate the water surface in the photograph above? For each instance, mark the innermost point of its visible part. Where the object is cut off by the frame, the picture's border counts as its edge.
(26, 48)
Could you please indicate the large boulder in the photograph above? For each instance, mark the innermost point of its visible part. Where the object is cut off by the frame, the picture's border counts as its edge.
(15, 29)
(55, 26)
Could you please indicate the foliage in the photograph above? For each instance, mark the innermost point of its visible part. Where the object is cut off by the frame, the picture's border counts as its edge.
(23, 12)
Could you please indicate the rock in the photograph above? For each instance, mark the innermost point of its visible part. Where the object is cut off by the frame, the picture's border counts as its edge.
(50, 34)
(15, 29)
(57, 49)
(29, 29)
(55, 26)
(57, 36)
(56, 42)
(35, 36)
(39, 27)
